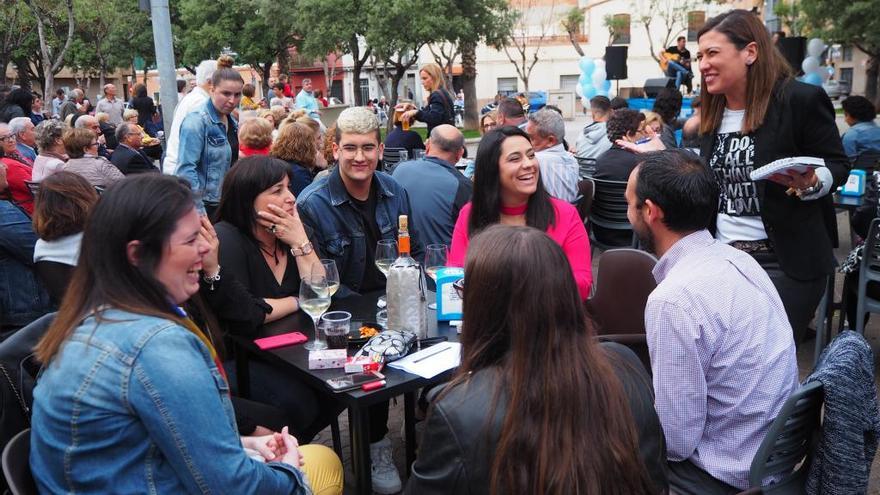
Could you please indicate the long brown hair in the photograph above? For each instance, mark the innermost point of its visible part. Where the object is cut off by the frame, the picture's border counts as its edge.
(62, 205)
(742, 27)
(567, 427)
(145, 208)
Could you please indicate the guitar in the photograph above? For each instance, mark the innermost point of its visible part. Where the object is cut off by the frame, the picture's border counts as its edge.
(665, 57)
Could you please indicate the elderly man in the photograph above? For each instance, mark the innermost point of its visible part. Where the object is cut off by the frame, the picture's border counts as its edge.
(437, 191)
(71, 105)
(559, 169)
(25, 139)
(193, 100)
(722, 353)
(128, 157)
(111, 105)
(307, 101)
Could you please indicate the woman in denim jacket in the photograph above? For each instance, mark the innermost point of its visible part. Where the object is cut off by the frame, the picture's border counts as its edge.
(209, 138)
(132, 398)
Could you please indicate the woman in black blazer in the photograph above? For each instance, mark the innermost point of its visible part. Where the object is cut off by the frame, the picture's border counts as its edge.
(439, 109)
(753, 113)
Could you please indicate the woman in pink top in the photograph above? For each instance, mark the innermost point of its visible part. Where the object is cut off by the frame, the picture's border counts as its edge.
(508, 190)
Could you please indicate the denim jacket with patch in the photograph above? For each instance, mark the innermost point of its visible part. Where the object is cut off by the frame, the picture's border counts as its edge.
(204, 153)
(135, 404)
(325, 207)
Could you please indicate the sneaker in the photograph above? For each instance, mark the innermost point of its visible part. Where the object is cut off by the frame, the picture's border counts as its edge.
(386, 479)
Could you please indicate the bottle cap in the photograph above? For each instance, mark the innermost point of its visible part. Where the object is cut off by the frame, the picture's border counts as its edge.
(402, 222)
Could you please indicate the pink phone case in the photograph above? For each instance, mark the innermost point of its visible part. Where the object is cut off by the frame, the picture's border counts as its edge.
(282, 340)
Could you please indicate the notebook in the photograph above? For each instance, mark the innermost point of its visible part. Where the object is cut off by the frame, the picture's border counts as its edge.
(781, 166)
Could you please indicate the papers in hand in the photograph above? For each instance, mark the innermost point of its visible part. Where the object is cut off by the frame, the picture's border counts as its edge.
(783, 165)
(432, 361)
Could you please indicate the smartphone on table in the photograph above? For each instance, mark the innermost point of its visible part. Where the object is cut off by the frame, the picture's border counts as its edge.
(353, 380)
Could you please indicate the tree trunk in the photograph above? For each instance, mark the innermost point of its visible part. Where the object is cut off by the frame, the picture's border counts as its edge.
(469, 83)
(359, 61)
(872, 73)
(265, 71)
(574, 42)
(284, 62)
(24, 76)
(4, 62)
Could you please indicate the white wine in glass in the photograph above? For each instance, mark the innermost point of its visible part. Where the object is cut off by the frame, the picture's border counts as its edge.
(327, 268)
(314, 299)
(386, 253)
(435, 259)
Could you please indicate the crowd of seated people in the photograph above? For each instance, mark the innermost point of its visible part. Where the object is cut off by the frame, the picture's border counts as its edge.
(164, 268)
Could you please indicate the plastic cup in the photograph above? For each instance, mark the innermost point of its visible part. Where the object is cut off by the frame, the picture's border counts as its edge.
(336, 325)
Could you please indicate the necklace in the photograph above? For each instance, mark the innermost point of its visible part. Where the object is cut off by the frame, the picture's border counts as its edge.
(273, 253)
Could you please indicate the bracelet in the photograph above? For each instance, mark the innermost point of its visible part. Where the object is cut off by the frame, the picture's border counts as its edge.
(810, 190)
(212, 279)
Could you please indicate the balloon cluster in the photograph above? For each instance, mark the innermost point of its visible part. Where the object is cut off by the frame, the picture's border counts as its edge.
(814, 72)
(592, 81)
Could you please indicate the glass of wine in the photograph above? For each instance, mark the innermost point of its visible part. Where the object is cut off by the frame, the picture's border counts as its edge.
(386, 253)
(435, 259)
(314, 299)
(327, 269)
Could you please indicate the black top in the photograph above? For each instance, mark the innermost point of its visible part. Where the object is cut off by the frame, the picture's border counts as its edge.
(373, 278)
(799, 122)
(456, 453)
(438, 111)
(615, 164)
(232, 136)
(409, 140)
(242, 261)
(685, 58)
(145, 108)
(131, 161)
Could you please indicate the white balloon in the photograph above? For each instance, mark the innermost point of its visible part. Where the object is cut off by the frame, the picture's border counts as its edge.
(586, 103)
(600, 64)
(577, 90)
(815, 47)
(810, 64)
(599, 76)
(824, 74)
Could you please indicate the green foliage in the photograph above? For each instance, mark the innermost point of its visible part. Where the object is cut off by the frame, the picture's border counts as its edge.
(791, 16)
(846, 21)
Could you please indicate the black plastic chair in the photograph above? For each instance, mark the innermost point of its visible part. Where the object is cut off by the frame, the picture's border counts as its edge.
(608, 211)
(788, 447)
(867, 160)
(392, 156)
(585, 198)
(55, 276)
(622, 286)
(869, 271)
(587, 166)
(16, 465)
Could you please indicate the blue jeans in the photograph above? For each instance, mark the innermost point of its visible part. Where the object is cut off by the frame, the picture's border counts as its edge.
(680, 72)
(23, 298)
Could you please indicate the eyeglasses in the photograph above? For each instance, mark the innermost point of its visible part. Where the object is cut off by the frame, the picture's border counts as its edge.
(93, 144)
(7, 137)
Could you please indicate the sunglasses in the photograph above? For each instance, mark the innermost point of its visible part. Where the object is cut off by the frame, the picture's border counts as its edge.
(458, 286)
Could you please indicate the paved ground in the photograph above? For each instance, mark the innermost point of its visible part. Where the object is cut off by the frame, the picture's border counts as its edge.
(805, 354)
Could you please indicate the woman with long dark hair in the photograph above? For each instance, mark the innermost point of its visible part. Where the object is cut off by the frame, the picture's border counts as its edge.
(440, 107)
(150, 410)
(144, 105)
(508, 190)
(19, 103)
(209, 137)
(537, 406)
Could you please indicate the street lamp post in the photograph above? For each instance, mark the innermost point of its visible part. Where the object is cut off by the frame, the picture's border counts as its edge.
(161, 18)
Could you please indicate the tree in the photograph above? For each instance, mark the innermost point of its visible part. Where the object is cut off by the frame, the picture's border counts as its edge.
(54, 42)
(527, 37)
(335, 26)
(790, 16)
(572, 23)
(853, 23)
(615, 26)
(671, 14)
(17, 37)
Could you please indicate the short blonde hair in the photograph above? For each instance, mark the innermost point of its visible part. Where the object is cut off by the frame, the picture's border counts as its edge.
(650, 118)
(280, 113)
(436, 74)
(77, 140)
(129, 113)
(255, 133)
(103, 116)
(295, 143)
(357, 120)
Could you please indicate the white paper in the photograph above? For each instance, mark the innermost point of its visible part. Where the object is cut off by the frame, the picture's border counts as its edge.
(448, 356)
(799, 163)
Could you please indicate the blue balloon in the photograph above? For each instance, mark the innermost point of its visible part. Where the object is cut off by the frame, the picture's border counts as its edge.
(587, 65)
(813, 78)
(590, 92)
(606, 86)
(602, 92)
(585, 80)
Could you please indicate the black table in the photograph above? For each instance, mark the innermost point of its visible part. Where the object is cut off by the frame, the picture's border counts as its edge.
(850, 203)
(296, 360)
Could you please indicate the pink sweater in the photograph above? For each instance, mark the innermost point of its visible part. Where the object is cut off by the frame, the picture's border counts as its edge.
(568, 232)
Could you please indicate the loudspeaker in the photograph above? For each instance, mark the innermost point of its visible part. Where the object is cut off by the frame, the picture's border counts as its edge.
(654, 86)
(615, 62)
(794, 50)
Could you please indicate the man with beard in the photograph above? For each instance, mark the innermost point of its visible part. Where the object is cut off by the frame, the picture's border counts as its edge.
(722, 352)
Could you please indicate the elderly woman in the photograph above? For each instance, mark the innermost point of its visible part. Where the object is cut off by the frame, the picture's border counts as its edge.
(136, 422)
(51, 154)
(254, 137)
(131, 116)
(82, 148)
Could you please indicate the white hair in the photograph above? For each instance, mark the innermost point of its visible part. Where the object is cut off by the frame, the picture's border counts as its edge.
(549, 123)
(205, 71)
(357, 120)
(19, 125)
(82, 121)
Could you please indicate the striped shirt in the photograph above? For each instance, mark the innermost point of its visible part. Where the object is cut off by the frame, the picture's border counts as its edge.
(722, 355)
(559, 172)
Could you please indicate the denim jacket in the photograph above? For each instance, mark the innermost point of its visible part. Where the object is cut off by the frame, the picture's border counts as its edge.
(204, 153)
(23, 298)
(135, 404)
(326, 209)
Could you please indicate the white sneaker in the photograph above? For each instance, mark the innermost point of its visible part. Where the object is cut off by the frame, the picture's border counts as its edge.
(386, 479)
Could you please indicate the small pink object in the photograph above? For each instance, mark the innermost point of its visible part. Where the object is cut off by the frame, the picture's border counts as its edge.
(368, 387)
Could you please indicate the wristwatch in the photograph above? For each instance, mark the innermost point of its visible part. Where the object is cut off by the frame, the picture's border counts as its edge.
(812, 189)
(304, 249)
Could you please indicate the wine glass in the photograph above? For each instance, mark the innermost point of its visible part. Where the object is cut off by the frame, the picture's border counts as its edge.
(435, 259)
(314, 299)
(386, 253)
(327, 269)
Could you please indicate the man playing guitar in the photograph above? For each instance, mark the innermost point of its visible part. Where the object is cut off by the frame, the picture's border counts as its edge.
(675, 62)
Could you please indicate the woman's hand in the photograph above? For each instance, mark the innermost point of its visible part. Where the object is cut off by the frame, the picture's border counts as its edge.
(409, 115)
(211, 261)
(286, 227)
(796, 180)
(654, 143)
(268, 446)
(291, 448)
